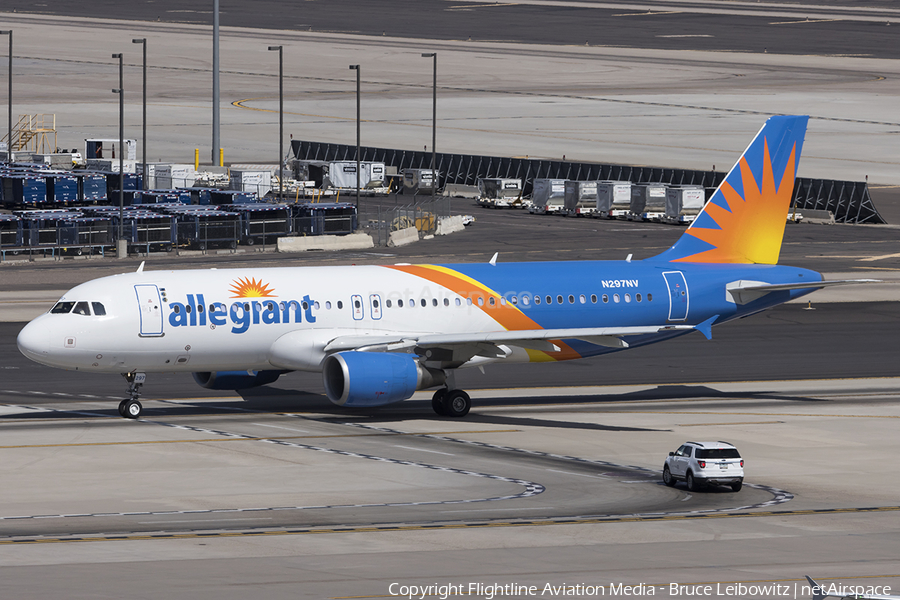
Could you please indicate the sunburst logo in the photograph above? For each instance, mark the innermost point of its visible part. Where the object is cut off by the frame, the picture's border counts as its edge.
(251, 288)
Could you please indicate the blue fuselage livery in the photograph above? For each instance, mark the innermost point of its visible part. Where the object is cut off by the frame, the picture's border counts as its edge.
(379, 333)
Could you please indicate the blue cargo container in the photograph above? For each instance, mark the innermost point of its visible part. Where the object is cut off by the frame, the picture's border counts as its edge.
(62, 188)
(130, 181)
(145, 228)
(42, 228)
(262, 223)
(221, 197)
(92, 187)
(86, 232)
(10, 231)
(206, 227)
(162, 197)
(200, 196)
(21, 189)
(320, 218)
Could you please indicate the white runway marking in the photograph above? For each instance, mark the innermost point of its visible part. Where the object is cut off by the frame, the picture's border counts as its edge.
(280, 427)
(423, 450)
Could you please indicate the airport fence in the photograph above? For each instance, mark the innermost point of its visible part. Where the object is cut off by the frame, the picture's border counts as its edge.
(849, 201)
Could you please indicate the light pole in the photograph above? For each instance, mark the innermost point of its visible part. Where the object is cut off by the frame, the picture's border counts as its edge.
(215, 66)
(9, 104)
(434, 180)
(356, 68)
(280, 120)
(121, 243)
(143, 41)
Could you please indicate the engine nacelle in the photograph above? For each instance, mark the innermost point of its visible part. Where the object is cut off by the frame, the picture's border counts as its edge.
(235, 380)
(359, 379)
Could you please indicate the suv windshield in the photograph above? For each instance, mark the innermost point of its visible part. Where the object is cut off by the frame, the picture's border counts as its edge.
(717, 453)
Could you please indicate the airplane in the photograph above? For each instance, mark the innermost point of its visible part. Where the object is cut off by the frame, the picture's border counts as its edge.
(819, 592)
(379, 333)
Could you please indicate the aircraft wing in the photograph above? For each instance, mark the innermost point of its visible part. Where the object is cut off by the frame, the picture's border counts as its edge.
(482, 343)
(820, 592)
(743, 292)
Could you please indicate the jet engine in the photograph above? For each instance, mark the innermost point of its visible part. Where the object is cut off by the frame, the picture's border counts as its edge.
(359, 379)
(235, 380)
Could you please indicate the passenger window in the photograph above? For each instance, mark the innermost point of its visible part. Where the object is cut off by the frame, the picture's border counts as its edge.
(468, 301)
(400, 303)
(491, 300)
(582, 299)
(514, 300)
(176, 309)
(316, 305)
(99, 309)
(627, 297)
(200, 307)
(387, 303)
(480, 301)
(305, 305)
(188, 308)
(571, 299)
(434, 301)
(82, 308)
(412, 304)
(649, 297)
(605, 298)
(615, 298)
(458, 302)
(637, 297)
(374, 303)
(537, 299)
(446, 301)
(559, 299)
(593, 298)
(340, 305)
(525, 300)
(327, 304)
(549, 300)
(424, 303)
(62, 308)
(502, 300)
(356, 304)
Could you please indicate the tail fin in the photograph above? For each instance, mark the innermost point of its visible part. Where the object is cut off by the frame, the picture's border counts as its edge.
(816, 589)
(744, 220)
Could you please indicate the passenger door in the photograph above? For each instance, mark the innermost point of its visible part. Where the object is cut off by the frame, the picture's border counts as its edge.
(150, 306)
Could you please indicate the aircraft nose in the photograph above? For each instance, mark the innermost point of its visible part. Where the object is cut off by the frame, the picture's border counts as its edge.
(34, 341)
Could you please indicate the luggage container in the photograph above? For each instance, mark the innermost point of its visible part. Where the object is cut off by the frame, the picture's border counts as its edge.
(684, 203)
(62, 188)
(171, 176)
(162, 197)
(581, 198)
(257, 182)
(262, 223)
(143, 228)
(613, 199)
(97, 164)
(500, 193)
(549, 196)
(43, 228)
(420, 181)
(22, 190)
(200, 196)
(104, 148)
(342, 175)
(85, 233)
(92, 187)
(648, 202)
(321, 218)
(10, 231)
(207, 228)
(222, 197)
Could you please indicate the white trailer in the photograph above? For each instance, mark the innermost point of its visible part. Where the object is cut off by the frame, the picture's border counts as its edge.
(684, 203)
(498, 192)
(420, 181)
(648, 202)
(250, 181)
(548, 196)
(581, 198)
(613, 199)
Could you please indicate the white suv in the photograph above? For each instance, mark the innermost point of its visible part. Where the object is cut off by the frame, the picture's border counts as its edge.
(705, 463)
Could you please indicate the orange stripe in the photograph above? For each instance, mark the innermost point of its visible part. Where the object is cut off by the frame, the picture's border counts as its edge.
(506, 315)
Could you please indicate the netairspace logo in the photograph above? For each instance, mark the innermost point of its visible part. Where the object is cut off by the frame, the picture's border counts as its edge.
(491, 591)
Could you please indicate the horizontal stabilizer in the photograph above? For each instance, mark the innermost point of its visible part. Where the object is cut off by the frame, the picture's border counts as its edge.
(744, 292)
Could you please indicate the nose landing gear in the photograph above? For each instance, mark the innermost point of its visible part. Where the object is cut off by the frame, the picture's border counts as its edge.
(131, 408)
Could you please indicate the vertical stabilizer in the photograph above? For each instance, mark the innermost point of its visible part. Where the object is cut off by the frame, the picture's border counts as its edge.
(744, 220)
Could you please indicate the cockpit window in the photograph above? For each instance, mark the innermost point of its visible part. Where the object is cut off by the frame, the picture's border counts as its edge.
(82, 308)
(99, 309)
(62, 308)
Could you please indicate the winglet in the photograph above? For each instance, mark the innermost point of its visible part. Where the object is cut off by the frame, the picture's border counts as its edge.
(493, 260)
(706, 327)
(141, 268)
(816, 589)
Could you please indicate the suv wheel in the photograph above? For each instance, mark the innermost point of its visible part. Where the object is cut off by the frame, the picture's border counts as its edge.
(667, 477)
(736, 487)
(691, 484)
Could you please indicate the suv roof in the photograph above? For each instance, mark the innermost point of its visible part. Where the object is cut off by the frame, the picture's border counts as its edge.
(719, 444)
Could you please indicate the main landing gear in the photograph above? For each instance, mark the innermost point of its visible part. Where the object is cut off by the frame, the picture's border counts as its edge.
(131, 408)
(451, 403)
